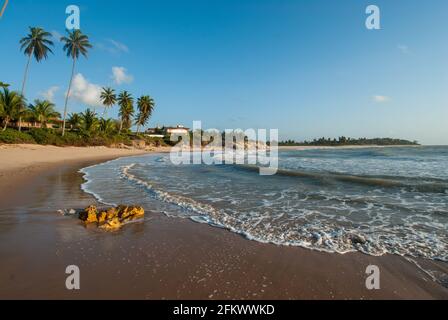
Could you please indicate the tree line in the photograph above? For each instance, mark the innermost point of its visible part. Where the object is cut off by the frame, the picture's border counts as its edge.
(345, 141)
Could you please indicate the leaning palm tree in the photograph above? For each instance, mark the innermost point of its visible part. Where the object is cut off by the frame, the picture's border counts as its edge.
(36, 44)
(75, 44)
(43, 111)
(146, 106)
(108, 98)
(126, 103)
(11, 103)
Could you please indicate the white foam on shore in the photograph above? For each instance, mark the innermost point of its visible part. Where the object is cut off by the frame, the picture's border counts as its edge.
(218, 218)
(318, 234)
(85, 187)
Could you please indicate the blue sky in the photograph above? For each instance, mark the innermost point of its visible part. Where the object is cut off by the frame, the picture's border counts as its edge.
(308, 68)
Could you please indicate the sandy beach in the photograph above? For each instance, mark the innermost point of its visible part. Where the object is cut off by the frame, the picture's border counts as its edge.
(161, 258)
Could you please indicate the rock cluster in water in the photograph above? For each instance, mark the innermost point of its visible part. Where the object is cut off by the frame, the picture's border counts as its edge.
(113, 218)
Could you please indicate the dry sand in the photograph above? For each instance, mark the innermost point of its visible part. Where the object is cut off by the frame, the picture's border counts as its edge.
(28, 156)
(161, 258)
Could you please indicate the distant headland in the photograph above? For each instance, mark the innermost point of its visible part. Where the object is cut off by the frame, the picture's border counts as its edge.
(344, 141)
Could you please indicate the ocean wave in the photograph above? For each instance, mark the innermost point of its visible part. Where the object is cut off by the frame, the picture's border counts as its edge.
(316, 234)
(315, 207)
(428, 185)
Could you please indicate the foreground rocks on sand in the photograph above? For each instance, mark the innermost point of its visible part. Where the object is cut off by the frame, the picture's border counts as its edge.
(113, 218)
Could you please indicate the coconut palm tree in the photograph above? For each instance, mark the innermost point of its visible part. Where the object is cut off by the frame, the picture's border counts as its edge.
(107, 125)
(75, 44)
(74, 120)
(36, 44)
(3, 85)
(89, 121)
(43, 111)
(126, 103)
(11, 103)
(146, 106)
(108, 98)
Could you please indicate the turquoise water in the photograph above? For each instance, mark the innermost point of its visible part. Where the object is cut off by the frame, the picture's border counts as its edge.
(374, 200)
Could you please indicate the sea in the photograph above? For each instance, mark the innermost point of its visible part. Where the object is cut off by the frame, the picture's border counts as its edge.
(381, 200)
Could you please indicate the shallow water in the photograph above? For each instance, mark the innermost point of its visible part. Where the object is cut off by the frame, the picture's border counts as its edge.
(374, 200)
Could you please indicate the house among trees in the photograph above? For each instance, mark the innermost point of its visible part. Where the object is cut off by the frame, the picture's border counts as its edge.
(30, 124)
(162, 132)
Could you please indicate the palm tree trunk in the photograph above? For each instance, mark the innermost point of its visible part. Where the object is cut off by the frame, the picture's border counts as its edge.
(68, 94)
(6, 124)
(121, 125)
(23, 84)
(26, 73)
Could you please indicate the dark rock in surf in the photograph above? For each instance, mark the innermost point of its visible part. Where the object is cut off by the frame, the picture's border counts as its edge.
(358, 239)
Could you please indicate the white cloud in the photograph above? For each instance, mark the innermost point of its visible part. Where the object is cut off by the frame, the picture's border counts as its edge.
(403, 48)
(113, 46)
(120, 76)
(56, 35)
(381, 99)
(119, 46)
(49, 94)
(86, 92)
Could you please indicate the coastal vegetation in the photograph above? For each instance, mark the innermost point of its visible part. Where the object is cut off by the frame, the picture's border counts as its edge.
(344, 141)
(43, 124)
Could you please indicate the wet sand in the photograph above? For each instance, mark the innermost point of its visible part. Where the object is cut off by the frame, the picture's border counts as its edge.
(165, 258)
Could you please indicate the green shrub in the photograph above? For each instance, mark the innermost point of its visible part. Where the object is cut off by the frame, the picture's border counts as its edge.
(119, 138)
(71, 138)
(155, 142)
(74, 139)
(47, 137)
(12, 136)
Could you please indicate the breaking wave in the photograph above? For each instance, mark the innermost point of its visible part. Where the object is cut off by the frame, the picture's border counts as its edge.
(313, 202)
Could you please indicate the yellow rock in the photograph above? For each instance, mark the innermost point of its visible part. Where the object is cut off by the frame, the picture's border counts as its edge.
(89, 215)
(123, 212)
(113, 218)
(102, 217)
(112, 225)
(111, 213)
(138, 212)
(131, 212)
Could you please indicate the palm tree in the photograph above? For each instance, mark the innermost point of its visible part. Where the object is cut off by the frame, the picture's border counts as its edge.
(43, 111)
(107, 125)
(75, 44)
(126, 103)
(36, 44)
(11, 103)
(108, 98)
(3, 85)
(89, 121)
(74, 120)
(146, 106)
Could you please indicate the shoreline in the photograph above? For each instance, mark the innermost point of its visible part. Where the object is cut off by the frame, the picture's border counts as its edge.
(166, 258)
(29, 156)
(302, 148)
